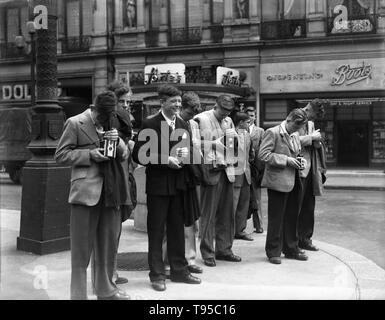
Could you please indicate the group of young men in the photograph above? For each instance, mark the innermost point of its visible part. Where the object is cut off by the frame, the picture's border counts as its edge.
(204, 167)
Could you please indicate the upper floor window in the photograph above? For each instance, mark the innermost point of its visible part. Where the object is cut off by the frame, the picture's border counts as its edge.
(351, 16)
(185, 21)
(216, 11)
(283, 19)
(78, 25)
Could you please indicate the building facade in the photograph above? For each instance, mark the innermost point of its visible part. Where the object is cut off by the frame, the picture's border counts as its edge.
(291, 51)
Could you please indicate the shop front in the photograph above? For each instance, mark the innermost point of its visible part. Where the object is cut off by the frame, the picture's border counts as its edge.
(354, 123)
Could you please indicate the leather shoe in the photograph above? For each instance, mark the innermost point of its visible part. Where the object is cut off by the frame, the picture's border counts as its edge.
(275, 260)
(187, 278)
(308, 246)
(121, 280)
(194, 269)
(158, 285)
(259, 230)
(229, 257)
(297, 256)
(120, 295)
(244, 237)
(210, 262)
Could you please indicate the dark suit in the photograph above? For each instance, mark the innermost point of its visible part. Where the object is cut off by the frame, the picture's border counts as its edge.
(164, 189)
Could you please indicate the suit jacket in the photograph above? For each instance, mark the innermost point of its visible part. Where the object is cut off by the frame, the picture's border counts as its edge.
(210, 129)
(78, 138)
(160, 178)
(314, 153)
(243, 165)
(256, 165)
(274, 151)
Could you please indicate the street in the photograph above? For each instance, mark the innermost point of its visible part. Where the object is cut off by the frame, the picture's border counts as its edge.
(352, 219)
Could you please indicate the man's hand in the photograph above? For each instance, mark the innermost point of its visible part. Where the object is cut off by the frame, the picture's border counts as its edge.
(316, 135)
(173, 163)
(230, 133)
(111, 135)
(97, 156)
(292, 162)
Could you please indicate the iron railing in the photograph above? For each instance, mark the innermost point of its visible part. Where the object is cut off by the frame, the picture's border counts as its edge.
(10, 50)
(185, 36)
(152, 38)
(216, 33)
(283, 29)
(76, 44)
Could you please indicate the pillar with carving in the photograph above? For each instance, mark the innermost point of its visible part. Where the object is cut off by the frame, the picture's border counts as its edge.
(316, 17)
(45, 212)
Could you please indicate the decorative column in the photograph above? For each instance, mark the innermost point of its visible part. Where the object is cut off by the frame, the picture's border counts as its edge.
(316, 18)
(45, 212)
(254, 20)
(99, 16)
(141, 29)
(163, 27)
(381, 17)
(61, 24)
(118, 15)
(228, 21)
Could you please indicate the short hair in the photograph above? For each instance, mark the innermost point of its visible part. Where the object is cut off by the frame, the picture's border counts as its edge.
(119, 88)
(318, 107)
(240, 116)
(298, 116)
(191, 100)
(105, 104)
(166, 91)
(225, 102)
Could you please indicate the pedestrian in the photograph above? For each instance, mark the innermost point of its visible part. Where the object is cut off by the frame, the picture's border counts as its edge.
(313, 176)
(257, 168)
(97, 191)
(217, 221)
(279, 150)
(165, 184)
(242, 176)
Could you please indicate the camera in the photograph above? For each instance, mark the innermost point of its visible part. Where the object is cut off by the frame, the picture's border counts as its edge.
(302, 161)
(109, 148)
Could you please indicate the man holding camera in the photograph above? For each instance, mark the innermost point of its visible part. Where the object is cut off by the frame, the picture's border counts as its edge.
(279, 150)
(95, 218)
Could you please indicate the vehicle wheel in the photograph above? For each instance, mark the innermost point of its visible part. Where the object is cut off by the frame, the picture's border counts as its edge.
(16, 175)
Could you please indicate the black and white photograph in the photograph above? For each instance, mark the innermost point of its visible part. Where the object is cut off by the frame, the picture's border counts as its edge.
(202, 151)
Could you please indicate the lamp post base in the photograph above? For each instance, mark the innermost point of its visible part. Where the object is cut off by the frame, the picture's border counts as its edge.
(45, 212)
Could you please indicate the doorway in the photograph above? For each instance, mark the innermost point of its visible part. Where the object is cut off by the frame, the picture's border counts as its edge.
(353, 143)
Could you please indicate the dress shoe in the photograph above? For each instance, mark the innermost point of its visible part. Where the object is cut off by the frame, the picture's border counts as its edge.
(308, 246)
(121, 280)
(275, 260)
(158, 285)
(120, 295)
(243, 237)
(258, 230)
(210, 262)
(229, 257)
(297, 256)
(194, 269)
(187, 278)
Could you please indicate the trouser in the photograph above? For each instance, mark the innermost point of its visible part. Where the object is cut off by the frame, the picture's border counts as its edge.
(256, 206)
(217, 221)
(283, 209)
(241, 206)
(93, 229)
(306, 214)
(190, 243)
(165, 211)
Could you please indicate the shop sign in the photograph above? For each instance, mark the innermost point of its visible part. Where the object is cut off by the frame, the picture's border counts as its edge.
(228, 77)
(10, 92)
(165, 73)
(294, 76)
(349, 75)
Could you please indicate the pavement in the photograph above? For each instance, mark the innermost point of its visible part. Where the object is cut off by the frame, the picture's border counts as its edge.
(333, 273)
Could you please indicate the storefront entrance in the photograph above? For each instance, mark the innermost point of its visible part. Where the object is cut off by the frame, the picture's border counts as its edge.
(353, 143)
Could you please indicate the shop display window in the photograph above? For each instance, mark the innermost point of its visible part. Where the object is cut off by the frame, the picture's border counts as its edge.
(379, 140)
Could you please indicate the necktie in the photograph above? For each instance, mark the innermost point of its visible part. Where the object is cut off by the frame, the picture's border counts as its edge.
(172, 125)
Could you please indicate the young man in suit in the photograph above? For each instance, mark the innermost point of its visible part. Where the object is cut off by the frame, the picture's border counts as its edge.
(165, 184)
(217, 221)
(95, 225)
(257, 168)
(312, 177)
(279, 149)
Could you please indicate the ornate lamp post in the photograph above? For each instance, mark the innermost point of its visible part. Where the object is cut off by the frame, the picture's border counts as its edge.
(44, 224)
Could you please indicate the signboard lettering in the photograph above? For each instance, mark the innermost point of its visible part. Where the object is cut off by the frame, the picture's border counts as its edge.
(349, 75)
(15, 92)
(165, 73)
(228, 77)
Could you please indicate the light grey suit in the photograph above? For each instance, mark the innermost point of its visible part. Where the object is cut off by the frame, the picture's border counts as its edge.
(93, 226)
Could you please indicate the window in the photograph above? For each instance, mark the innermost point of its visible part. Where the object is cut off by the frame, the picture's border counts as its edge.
(283, 19)
(351, 16)
(78, 25)
(216, 11)
(185, 21)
